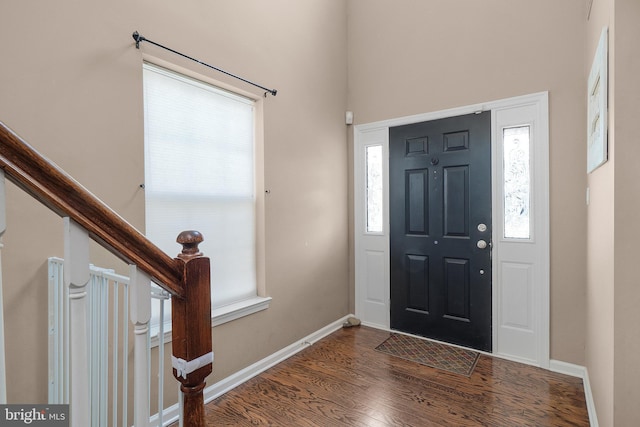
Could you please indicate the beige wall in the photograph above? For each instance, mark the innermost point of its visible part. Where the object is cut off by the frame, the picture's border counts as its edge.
(626, 77)
(613, 231)
(600, 238)
(412, 56)
(71, 85)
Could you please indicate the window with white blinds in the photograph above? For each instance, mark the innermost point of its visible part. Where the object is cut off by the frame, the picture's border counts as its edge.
(199, 175)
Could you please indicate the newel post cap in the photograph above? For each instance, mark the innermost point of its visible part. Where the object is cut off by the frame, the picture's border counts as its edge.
(190, 239)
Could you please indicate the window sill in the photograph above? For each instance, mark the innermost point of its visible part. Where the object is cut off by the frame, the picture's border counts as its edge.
(239, 309)
(225, 314)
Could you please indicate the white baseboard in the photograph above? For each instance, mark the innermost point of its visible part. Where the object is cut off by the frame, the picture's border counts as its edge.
(376, 326)
(171, 414)
(567, 368)
(580, 372)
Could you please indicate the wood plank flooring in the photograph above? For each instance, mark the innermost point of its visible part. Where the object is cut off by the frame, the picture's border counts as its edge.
(342, 381)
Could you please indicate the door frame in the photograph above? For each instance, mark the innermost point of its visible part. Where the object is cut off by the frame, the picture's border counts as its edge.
(520, 313)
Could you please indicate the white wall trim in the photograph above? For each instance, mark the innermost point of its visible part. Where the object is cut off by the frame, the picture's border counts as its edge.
(567, 368)
(171, 414)
(579, 372)
(441, 114)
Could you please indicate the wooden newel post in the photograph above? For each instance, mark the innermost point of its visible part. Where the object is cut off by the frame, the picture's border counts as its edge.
(191, 317)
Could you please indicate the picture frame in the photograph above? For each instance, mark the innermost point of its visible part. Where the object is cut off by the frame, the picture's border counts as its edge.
(597, 94)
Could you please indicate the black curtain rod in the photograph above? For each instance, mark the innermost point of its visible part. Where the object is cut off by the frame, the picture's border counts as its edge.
(138, 38)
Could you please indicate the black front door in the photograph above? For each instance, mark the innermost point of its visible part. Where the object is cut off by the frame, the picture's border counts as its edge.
(440, 234)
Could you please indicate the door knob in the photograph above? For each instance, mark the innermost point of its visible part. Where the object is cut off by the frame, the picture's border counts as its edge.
(481, 244)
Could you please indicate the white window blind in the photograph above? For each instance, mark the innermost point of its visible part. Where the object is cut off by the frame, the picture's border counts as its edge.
(199, 175)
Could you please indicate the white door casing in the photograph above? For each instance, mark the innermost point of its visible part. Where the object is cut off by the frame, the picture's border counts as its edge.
(520, 296)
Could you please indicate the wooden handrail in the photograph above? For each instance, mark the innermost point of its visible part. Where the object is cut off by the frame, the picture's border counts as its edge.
(49, 184)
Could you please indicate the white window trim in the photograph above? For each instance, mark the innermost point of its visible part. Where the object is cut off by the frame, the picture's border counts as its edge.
(239, 309)
(222, 315)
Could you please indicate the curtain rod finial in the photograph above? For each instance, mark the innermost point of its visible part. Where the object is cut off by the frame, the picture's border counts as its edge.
(138, 38)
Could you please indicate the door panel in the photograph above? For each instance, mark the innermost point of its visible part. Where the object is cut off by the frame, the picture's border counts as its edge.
(456, 201)
(417, 197)
(418, 276)
(456, 283)
(439, 191)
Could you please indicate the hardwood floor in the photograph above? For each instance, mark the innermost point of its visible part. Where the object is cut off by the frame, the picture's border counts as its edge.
(342, 381)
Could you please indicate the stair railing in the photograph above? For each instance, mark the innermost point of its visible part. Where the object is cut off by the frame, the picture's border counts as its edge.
(109, 318)
(185, 277)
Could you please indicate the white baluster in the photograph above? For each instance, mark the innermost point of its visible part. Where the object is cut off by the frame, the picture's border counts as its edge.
(3, 227)
(140, 294)
(76, 277)
(163, 296)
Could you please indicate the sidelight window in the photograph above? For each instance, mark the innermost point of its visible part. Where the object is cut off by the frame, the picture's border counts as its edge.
(517, 182)
(374, 191)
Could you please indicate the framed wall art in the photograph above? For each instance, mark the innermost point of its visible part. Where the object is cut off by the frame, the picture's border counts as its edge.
(597, 106)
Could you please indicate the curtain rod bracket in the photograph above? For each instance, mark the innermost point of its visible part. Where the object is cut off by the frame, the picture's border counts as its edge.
(138, 38)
